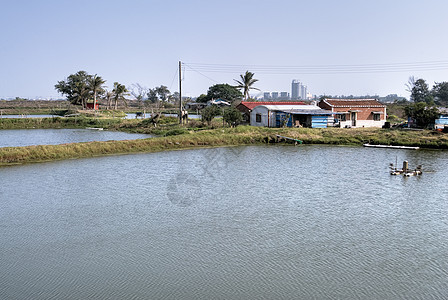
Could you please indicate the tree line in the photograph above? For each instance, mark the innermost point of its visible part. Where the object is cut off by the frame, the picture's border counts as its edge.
(82, 88)
(425, 100)
(420, 92)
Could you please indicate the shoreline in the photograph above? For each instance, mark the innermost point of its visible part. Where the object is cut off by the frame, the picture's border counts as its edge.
(222, 137)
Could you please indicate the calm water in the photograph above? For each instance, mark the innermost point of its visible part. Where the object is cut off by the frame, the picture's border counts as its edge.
(306, 222)
(25, 116)
(28, 137)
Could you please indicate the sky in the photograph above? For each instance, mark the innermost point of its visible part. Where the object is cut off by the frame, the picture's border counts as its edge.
(349, 47)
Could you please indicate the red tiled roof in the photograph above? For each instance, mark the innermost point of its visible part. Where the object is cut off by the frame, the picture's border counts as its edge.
(353, 103)
(252, 105)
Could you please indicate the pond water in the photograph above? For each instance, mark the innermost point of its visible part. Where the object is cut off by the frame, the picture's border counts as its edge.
(267, 222)
(28, 137)
(25, 116)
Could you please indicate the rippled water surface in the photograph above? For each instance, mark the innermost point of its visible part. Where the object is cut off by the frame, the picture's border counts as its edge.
(28, 137)
(308, 222)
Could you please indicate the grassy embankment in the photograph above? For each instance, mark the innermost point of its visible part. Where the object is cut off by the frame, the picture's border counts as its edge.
(174, 137)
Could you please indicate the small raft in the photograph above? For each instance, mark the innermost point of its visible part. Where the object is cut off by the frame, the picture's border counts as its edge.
(391, 146)
(94, 128)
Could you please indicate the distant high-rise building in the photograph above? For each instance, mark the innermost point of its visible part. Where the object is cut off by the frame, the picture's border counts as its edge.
(284, 95)
(266, 96)
(274, 95)
(298, 90)
(303, 92)
(295, 89)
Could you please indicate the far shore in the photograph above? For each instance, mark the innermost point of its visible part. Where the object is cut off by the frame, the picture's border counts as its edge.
(175, 137)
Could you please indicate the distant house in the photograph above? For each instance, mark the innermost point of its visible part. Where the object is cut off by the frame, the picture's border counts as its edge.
(218, 102)
(356, 112)
(310, 116)
(246, 107)
(442, 121)
(89, 105)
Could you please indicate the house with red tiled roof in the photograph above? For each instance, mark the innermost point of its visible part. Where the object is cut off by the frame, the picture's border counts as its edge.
(246, 107)
(356, 112)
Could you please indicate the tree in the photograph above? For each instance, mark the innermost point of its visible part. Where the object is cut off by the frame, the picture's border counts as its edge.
(162, 92)
(221, 91)
(202, 98)
(208, 113)
(232, 116)
(246, 82)
(152, 95)
(75, 88)
(174, 97)
(119, 92)
(422, 114)
(138, 92)
(440, 93)
(419, 90)
(108, 97)
(95, 84)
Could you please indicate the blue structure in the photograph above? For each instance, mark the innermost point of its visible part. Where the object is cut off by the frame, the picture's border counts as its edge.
(319, 121)
(303, 118)
(441, 122)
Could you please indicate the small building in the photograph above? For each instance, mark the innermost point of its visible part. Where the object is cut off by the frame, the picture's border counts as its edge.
(355, 112)
(442, 121)
(310, 116)
(89, 105)
(246, 107)
(218, 102)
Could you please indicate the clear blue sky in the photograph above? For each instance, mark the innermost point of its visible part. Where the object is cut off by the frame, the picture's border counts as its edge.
(142, 41)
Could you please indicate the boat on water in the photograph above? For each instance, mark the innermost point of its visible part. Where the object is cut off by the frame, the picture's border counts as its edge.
(391, 146)
(94, 128)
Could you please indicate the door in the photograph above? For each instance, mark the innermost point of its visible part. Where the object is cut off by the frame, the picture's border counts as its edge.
(353, 117)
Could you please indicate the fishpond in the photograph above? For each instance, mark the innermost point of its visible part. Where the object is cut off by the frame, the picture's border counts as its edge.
(257, 222)
(28, 137)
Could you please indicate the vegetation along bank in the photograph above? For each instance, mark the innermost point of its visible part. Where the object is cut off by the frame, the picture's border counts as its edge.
(176, 138)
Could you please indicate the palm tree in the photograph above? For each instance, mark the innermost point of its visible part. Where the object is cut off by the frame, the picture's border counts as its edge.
(108, 97)
(96, 85)
(81, 92)
(247, 80)
(119, 92)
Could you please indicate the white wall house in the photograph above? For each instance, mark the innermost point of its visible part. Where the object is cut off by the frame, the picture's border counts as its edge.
(292, 115)
(356, 113)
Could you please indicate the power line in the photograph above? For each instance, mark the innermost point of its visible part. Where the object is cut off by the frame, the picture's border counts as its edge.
(200, 73)
(319, 69)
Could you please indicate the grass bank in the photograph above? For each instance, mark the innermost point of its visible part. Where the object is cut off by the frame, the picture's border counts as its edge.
(241, 135)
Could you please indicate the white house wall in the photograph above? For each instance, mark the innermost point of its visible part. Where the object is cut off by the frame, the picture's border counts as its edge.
(362, 123)
(265, 116)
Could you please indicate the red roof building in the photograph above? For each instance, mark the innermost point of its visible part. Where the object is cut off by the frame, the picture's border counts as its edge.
(356, 112)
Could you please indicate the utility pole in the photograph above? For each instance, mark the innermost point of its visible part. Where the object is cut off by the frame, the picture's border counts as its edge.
(180, 92)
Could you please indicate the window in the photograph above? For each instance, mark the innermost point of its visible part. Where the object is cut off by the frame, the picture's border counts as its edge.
(343, 117)
(376, 117)
(258, 118)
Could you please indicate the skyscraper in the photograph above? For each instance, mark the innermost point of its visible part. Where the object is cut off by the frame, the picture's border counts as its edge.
(295, 89)
(298, 90)
(303, 92)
